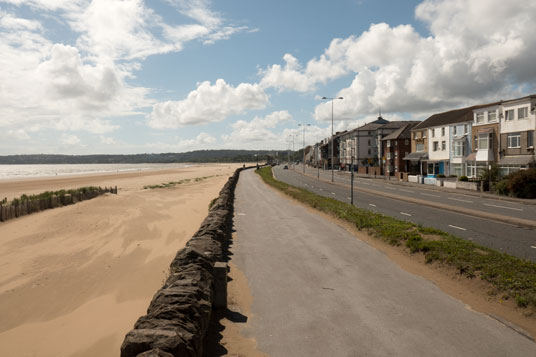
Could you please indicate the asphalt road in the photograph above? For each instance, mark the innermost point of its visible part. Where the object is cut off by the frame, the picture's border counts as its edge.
(319, 291)
(517, 241)
(428, 193)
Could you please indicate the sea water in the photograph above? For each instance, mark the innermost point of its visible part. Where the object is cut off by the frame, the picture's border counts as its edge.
(10, 172)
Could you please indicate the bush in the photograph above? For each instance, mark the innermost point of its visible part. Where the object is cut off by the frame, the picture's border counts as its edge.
(501, 188)
(463, 178)
(522, 183)
(441, 176)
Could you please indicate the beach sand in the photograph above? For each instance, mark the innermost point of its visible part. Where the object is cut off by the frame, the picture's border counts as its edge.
(73, 280)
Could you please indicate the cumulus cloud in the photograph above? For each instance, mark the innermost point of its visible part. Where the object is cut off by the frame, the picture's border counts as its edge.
(200, 142)
(80, 86)
(259, 132)
(462, 61)
(208, 103)
(69, 139)
(106, 140)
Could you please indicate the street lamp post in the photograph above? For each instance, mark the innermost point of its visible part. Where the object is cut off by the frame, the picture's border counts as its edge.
(304, 126)
(332, 160)
(352, 182)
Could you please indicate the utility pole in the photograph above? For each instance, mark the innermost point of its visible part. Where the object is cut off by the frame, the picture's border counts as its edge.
(304, 126)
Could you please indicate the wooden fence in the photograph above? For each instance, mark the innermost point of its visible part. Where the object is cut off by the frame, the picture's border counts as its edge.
(24, 207)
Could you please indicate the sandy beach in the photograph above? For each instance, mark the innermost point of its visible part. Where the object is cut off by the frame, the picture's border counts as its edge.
(73, 280)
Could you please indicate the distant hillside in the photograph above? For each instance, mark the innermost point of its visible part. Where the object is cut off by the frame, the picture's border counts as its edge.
(192, 156)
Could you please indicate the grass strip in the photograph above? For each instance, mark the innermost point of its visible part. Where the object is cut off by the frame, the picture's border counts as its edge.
(174, 183)
(510, 276)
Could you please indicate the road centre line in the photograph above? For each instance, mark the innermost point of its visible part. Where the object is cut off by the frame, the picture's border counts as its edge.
(405, 190)
(463, 229)
(405, 214)
(390, 188)
(333, 193)
(533, 246)
(427, 194)
(370, 204)
(457, 199)
(515, 209)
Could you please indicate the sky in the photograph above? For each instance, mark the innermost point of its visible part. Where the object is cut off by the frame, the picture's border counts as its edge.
(134, 76)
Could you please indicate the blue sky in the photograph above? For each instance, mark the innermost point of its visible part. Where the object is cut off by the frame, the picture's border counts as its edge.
(133, 76)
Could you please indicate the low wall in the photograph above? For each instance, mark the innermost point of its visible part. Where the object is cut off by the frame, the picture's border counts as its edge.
(450, 184)
(467, 185)
(178, 316)
(23, 208)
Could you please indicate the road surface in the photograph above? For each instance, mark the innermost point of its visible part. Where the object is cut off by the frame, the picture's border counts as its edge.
(319, 291)
(507, 238)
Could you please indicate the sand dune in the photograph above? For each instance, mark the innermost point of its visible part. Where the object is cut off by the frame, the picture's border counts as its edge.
(73, 280)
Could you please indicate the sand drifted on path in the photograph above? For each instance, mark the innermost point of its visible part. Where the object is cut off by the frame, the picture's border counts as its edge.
(73, 280)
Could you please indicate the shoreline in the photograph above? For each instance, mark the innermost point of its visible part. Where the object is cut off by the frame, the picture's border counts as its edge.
(75, 279)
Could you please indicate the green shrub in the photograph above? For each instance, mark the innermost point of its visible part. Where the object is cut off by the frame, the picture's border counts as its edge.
(463, 178)
(441, 176)
(522, 183)
(501, 188)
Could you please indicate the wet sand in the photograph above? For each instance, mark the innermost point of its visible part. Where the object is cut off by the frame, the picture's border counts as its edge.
(73, 280)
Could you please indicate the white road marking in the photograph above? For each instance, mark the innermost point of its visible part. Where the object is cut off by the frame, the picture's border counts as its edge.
(405, 190)
(370, 204)
(457, 199)
(349, 198)
(390, 188)
(427, 194)
(533, 246)
(405, 214)
(333, 193)
(515, 209)
(241, 214)
(321, 190)
(460, 228)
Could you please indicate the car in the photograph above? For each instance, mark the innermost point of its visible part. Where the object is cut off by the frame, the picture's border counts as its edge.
(285, 167)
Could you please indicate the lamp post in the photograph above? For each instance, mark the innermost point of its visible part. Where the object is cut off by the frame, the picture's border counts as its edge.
(352, 182)
(332, 160)
(304, 126)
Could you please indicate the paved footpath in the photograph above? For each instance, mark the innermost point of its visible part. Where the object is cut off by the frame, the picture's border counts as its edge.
(319, 291)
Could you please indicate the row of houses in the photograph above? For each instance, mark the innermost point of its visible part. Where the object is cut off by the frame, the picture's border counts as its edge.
(458, 142)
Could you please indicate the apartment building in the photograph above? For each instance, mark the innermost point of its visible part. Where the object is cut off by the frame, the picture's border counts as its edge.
(517, 125)
(396, 146)
(485, 142)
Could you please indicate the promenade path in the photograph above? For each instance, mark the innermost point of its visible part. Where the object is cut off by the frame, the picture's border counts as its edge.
(319, 291)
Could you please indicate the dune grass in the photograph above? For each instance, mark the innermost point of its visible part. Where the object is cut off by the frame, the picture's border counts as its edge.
(511, 277)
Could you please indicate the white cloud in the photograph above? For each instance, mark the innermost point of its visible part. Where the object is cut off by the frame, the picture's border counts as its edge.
(106, 140)
(462, 61)
(18, 134)
(258, 132)
(68, 139)
(208, 103)
(199, 143)
(80, 86)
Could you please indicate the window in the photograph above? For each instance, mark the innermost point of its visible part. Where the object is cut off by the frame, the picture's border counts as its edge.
(458, 148)
(424, 134)
(454, 130)
(465, 129)
(388, 143)
(509, 115)
(396, 143)
(388, 156)
(443, 145)
(457, 169)
(530, 138)
(420, 147)
(433, 133)
(396, 154)
(436, 145)
(442, 131)
(369, 142)
(414, 136)
(406, 142)
(522, 113)
(483, 142)
(492, 115)
(479, 118)
(514, 140)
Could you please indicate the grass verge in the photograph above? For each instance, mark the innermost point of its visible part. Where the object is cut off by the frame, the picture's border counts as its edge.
(174, 183)
(512, 277)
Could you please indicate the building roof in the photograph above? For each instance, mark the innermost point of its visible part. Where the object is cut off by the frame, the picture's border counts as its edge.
(373, 125)
(416, 156)
(404, 132)
(517, 160)
(451, 117)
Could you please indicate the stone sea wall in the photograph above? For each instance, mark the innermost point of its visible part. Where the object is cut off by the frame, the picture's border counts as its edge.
(178, 316)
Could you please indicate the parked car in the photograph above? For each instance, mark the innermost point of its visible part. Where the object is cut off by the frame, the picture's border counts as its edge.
(285, 167)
